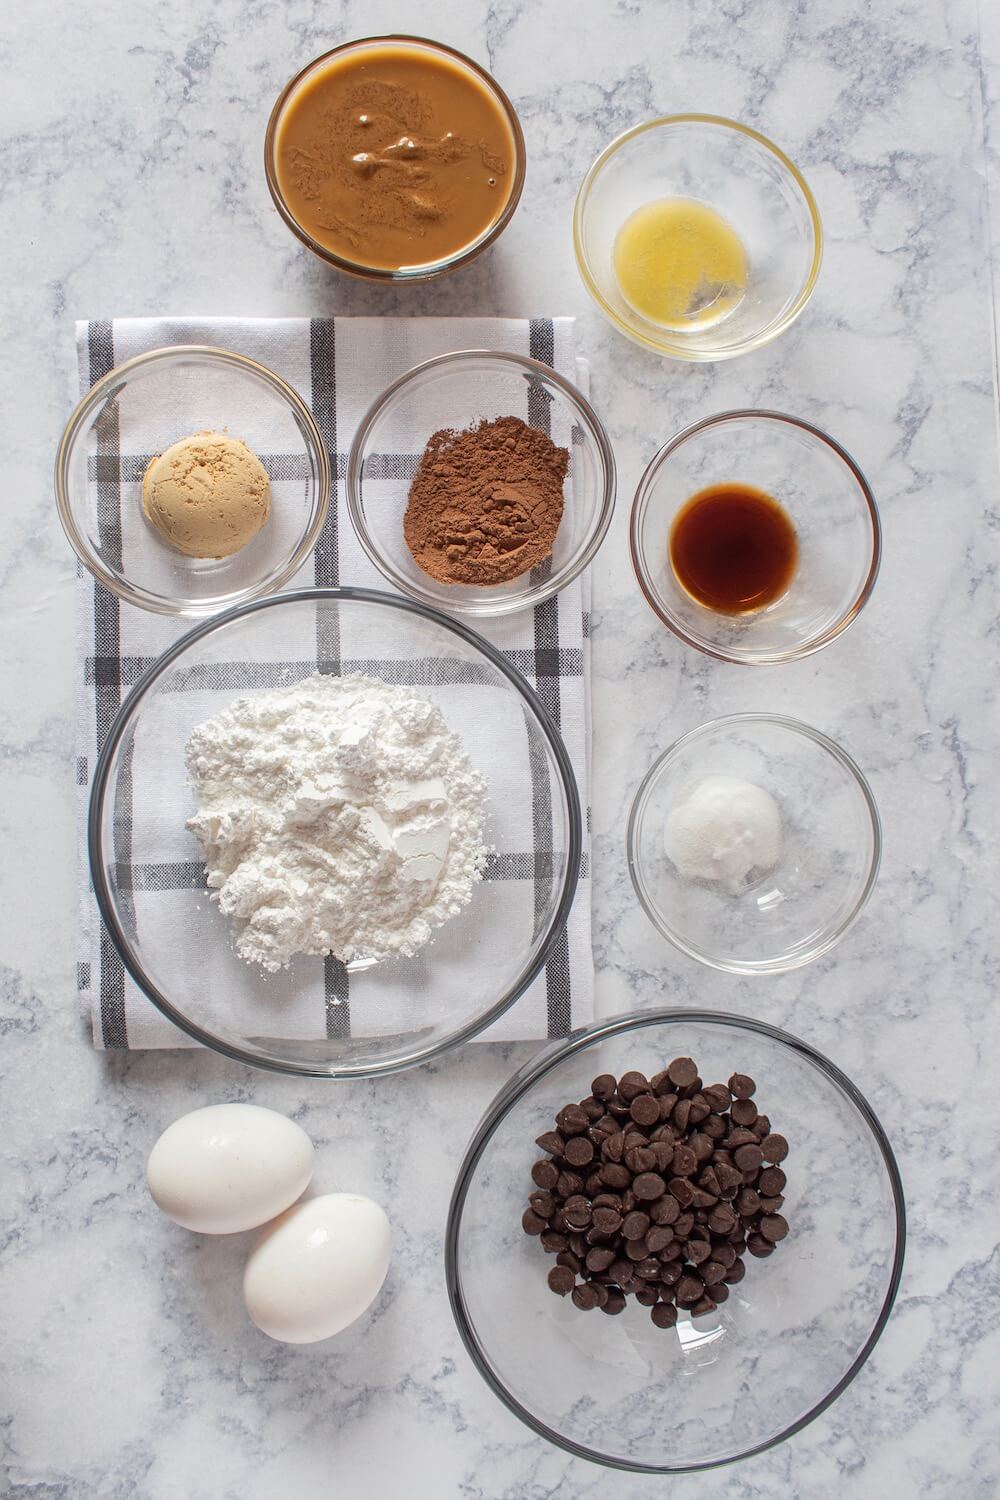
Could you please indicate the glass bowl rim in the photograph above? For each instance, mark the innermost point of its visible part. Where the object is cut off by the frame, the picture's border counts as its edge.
(635, 863)
(581, 408)
(673, 348)
(434, 268)
(163, 604)
(518, 1086)
(641, 501)
(99, 792)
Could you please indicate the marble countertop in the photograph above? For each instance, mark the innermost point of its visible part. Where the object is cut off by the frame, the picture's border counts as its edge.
(131, 184)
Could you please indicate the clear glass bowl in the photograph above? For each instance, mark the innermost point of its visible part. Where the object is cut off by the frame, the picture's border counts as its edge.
(746, 179)
(792, 1335)
(138, 410)
(830, 854)
(431, 270)
(831, 506)
(318, 1018)
(457, 391)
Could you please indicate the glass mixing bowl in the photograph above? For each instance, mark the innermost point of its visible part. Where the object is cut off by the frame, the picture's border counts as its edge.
(139, 409)
(317, 1017)
(831, 846)
(735, 171)
(457, 391)
(829, 502)
(793, 1333)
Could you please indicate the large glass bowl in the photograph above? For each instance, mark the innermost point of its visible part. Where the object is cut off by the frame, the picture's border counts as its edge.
(136, 411)
(457, 391)
(317, 1017)
(741, 175)
(792, 1335)
(828, 500)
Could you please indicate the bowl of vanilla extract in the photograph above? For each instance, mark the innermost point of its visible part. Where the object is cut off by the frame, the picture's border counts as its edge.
(755, 537)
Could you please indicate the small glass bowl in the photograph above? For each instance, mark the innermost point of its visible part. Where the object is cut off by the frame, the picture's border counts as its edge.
(136, 411)
(746, 179)
(457, 391)
(318, 1018)
(830, 504)
(793, 1333)
(432, 269)
(831, 846)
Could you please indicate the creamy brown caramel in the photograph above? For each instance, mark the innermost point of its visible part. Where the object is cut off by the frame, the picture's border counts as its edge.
(394, 155)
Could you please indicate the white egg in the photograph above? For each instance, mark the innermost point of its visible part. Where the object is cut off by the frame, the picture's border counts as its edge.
(229, 1167)
(317, 1268)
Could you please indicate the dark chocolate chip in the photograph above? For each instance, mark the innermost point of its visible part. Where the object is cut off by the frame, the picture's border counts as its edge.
(743, 1111)
(552, 1142)
(664, 1314)
(635, 1225)
(645, 1110)
(545, 1174)
(759, 1246)
(648, 1186)
(690, 1289)
(682, 1072)
(774, 1148)
(561, 1280)
(630, 1085)
(748, 1158)
(722, 1220)
(772, 1182)
(615, 1301)
(641, 1159)
(682, 1189)
(741, 1086)
(604, 1086)
(607, 1220)
(774, 1228)
(586, 1296)
(665, 1210)
(572, 1120)
(578, 1151)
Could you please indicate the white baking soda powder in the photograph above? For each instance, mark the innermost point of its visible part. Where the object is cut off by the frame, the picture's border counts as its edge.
(727, 831)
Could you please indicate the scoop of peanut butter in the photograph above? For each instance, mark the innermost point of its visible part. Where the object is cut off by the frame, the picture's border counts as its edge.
(207, 495)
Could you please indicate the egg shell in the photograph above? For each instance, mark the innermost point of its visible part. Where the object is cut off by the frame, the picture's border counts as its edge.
(317, 1268)
(229, 1167)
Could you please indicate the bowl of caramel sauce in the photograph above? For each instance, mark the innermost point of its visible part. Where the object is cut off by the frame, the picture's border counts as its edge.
(394, 158)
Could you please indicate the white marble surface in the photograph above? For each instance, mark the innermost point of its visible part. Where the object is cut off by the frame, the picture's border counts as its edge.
(131, 184)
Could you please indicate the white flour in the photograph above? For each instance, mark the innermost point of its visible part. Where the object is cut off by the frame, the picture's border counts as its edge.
(338, 815)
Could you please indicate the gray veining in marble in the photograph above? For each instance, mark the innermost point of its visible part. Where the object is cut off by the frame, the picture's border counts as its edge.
(130, 183)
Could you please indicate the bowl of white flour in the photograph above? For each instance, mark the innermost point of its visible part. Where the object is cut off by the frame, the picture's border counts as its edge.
(333, 833)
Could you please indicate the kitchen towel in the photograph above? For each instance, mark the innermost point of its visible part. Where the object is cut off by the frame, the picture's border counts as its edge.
(338, 365)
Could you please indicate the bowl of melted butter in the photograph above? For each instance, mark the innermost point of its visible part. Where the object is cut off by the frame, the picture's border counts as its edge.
(394, 158)
(697, 237)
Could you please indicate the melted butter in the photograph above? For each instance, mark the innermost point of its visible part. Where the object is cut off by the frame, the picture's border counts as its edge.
(680, 264)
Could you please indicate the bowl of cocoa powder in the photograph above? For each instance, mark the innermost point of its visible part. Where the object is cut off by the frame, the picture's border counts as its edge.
(481, 482)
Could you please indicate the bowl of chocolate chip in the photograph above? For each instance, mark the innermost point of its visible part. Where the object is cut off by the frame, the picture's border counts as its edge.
(674, 1240)
(481, 482)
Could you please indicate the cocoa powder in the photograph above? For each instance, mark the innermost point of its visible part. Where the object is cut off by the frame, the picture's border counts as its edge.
(485, 503)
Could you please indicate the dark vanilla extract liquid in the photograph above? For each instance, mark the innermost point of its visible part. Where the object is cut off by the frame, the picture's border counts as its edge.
(733, 548)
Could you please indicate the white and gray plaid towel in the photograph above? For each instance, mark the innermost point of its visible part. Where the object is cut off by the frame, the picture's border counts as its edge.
(339, 366)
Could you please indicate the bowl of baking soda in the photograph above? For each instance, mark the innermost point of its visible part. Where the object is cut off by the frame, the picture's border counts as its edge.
(753, 843)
